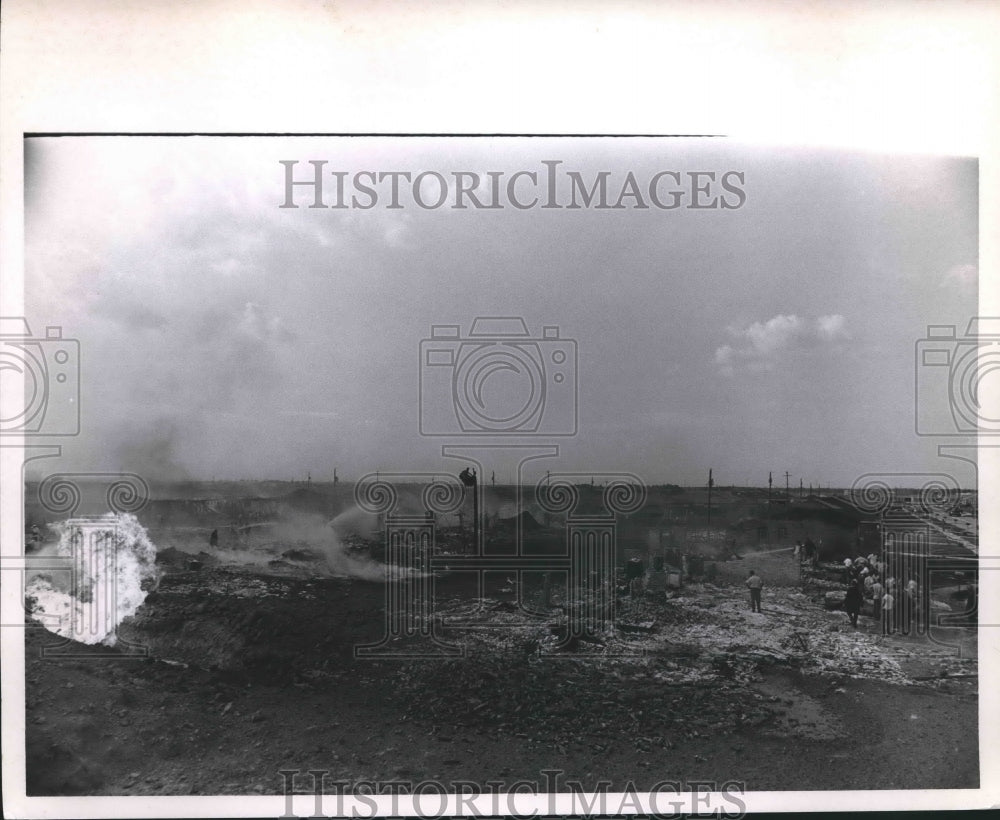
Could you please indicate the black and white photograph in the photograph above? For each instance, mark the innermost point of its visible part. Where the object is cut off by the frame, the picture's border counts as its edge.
(469, 473)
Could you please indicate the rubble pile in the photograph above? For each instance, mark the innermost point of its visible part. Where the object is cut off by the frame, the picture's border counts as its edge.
(268, 627)
(696, 658)
(791, 629)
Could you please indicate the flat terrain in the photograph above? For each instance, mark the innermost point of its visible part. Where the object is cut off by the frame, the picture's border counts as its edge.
(252, 671)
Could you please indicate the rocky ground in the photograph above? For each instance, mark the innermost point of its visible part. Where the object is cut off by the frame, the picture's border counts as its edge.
(252, 671)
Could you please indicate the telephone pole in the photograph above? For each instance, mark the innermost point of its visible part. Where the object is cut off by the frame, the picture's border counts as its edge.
(710, 483)
(787, 476)
(471, 480)
(767, 529)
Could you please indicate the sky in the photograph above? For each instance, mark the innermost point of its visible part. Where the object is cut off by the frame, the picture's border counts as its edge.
(223, 336)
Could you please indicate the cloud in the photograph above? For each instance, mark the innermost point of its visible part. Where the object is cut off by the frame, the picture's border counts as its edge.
(260, 327)
(963, 278)
(128, 313)
(397, 233)
(761, 345)
(831, 328)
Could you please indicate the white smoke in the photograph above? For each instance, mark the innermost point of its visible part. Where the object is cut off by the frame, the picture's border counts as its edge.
(355, 521)
(310, 544)
(109, 561)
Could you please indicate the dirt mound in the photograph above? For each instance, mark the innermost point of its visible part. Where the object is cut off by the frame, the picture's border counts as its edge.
(172, 558)
(301, 554)
(269, 628)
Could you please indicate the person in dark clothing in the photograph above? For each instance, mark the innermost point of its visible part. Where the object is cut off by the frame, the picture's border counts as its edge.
(754, 583)
(213, 539)
(852, 604)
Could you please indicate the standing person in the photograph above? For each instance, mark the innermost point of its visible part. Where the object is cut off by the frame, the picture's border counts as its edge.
(888, 613)
(754, 584)
(877, 591)
(848, 564)
(852, 604)
(906, 606)
(812, 554)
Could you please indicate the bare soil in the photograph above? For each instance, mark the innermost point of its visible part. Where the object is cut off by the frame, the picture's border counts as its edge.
(250, 674)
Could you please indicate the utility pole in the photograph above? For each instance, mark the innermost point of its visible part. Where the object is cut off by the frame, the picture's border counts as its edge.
(767, 529)
(801, 488)
(469, 479)
(710, 483)
(787, 491)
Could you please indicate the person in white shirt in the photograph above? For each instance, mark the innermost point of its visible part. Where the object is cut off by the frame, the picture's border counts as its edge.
(754, 584)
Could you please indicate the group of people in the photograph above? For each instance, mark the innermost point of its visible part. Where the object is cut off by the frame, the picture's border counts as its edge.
(894, 605)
